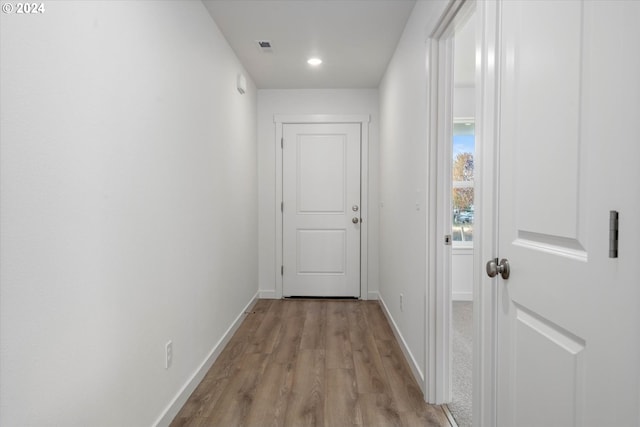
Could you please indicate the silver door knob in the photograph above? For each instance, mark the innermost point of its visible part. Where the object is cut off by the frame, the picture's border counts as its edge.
(502, 268)
(355, 220)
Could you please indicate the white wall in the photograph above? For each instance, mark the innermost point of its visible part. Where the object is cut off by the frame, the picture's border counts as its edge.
(464, 102)
(129, 200)
(462, 274)
(311, 101)
(403, 178)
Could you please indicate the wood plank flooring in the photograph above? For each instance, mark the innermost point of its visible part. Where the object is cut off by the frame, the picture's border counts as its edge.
(310, 363)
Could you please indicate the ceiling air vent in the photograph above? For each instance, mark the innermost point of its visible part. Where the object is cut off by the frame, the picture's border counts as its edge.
(264, 46)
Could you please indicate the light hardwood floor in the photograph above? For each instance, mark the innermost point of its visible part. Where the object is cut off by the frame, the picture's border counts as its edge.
(326, 363)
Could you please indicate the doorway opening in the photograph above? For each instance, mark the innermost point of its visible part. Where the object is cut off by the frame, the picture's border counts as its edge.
(323, 244)
(462, 216)
(452, 63)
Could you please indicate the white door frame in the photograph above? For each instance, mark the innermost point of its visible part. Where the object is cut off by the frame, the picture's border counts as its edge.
(363, 120)
(485, 304)
(486, 190)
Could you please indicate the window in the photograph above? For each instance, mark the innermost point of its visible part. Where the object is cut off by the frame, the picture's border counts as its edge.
(463, 181)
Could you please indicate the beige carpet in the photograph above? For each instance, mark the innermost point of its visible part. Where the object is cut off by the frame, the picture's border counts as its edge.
(461, 345)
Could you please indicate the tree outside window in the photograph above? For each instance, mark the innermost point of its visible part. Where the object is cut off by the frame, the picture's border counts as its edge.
(463, 180)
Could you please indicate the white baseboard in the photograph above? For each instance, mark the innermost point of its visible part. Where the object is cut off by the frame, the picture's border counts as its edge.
(267, 294)
(181, 398)
(415, 367)
(372, 296)
(462, 296)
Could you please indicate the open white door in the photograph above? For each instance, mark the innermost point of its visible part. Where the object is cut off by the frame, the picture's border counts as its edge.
(322, 210)
(568, 315)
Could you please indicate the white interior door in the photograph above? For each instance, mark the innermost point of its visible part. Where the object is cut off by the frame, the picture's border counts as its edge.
(321, 215)
(568, 315)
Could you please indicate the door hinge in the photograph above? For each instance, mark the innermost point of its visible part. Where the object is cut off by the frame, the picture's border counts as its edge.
(282, 270)
(281, 142)
(281, 206)
(613, 234)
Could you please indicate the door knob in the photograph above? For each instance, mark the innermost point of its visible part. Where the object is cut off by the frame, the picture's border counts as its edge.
(355, 220)
(494, 268)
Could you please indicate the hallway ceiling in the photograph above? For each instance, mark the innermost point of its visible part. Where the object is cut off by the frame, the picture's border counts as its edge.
(354, 38)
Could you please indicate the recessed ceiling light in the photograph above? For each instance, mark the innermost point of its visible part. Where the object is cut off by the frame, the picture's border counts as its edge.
(314, 61)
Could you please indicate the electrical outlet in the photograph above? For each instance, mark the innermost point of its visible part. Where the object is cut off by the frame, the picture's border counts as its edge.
(401, 302)
(168, 354)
